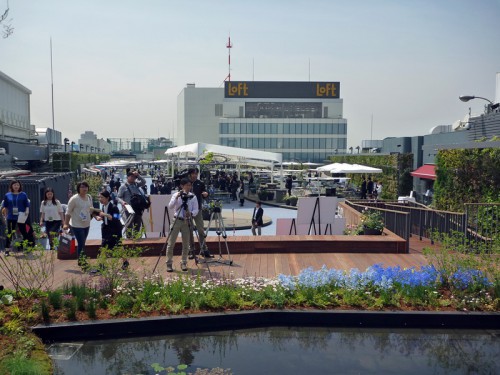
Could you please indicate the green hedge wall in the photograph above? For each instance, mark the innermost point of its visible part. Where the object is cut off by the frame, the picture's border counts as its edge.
(466, 176)
(69, 162)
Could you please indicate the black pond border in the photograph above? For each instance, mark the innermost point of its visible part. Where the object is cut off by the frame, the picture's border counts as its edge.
(180, 324)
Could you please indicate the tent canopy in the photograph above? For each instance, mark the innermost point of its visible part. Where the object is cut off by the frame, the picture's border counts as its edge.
(238, 155)
(348, 168)
(426, 171)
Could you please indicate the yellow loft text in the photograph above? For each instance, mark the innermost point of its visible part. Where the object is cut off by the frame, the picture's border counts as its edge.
(241, 89)
(328, 89)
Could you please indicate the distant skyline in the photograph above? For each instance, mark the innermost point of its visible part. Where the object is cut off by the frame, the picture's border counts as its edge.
(119, 65)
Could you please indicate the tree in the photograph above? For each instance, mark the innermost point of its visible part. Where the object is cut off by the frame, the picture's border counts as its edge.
(5, 22)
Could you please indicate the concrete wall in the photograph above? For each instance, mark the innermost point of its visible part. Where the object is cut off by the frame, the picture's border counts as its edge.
(196, 120)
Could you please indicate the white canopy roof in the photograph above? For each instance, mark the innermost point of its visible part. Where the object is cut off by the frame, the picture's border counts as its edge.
(348, 168)
(242, 155)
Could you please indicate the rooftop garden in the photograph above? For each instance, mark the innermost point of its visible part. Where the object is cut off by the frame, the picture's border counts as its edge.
(456, 279)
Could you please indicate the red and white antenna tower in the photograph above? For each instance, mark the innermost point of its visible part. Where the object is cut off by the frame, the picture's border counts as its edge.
(229, 46)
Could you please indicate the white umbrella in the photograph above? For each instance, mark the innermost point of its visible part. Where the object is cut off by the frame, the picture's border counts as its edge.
(348, 168)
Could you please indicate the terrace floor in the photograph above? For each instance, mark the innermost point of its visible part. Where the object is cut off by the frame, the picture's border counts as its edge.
(260, 265)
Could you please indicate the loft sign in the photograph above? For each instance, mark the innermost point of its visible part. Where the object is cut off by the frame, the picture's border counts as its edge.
(286, 89)
(239, 89)
(328, 89)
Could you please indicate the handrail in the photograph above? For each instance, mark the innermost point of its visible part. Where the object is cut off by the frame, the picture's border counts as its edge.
(396, 221)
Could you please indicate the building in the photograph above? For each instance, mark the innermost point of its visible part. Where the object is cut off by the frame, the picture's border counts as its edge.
(14, 109)
(474, 131)
(89, 143)
(18, 136)
(301, 120)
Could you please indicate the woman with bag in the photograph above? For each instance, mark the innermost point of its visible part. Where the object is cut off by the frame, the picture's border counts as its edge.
(78, 216)
(17, 204)
(51, 215)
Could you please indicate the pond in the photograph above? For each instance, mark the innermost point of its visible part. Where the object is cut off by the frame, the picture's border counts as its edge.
(289, 351)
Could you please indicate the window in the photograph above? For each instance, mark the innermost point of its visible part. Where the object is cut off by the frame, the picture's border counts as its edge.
(223, 128)
(241, 112)
(325, 112)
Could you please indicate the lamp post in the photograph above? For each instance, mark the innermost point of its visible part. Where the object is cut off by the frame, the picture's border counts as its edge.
(491, 106)
(350, 149)
(357, 148)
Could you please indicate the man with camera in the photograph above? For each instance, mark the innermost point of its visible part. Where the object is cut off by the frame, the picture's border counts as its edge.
(185, 206)
(200, 191)
(131, 194)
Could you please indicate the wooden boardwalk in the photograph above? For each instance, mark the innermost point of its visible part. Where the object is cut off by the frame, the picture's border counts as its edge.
(267, 265)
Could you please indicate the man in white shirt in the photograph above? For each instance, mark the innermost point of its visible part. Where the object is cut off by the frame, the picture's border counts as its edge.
(185, 206)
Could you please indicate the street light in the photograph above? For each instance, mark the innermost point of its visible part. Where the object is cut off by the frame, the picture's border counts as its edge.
(489, 108)
(357, 148)
(466, 98)
(350, 149)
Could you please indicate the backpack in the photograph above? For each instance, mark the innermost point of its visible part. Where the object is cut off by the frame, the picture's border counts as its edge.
(138, 201)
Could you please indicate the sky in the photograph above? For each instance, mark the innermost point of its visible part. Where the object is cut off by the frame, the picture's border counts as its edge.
(119, 65)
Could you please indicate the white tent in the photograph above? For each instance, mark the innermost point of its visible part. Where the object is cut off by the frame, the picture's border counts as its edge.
(199, 149)
(239, 156)
(348, 168)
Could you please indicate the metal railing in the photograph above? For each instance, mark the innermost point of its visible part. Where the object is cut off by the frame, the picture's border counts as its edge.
(483, 220)
(396, 221)
(479, 222)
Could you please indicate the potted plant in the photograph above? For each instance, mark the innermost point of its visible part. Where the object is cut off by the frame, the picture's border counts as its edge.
(262, 193)
(371, 222)
(270, 195)
(212, 206)
(290, 200)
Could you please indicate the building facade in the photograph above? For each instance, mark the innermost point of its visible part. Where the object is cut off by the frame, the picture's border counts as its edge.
(89, 143)
(302, 120)
(14, 110)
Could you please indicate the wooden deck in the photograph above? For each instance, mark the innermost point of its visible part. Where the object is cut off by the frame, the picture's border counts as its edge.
(267, 264)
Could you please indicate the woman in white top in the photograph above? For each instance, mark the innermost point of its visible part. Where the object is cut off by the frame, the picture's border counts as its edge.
(78, 215)
(51, 215)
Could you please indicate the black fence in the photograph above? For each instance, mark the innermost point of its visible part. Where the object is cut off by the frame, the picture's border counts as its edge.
(479, 222)
(396, 221)
(34, 186)
(483, 221)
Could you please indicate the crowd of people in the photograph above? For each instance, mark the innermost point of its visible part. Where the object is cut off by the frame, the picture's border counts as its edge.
(116, 196)
(370, 189)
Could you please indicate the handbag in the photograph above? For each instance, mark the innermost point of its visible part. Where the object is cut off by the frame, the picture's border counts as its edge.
(67, 247)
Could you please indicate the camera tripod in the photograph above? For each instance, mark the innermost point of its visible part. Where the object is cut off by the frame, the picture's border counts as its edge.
(220, 229)
(191, 225)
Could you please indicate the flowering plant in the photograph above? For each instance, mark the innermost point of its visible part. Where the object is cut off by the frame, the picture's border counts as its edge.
(372, 219)
(212, 205)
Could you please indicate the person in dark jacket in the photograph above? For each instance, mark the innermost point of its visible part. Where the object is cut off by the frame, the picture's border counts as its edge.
(363, 189)
(257, 221)
(289, 184)
(111, 228)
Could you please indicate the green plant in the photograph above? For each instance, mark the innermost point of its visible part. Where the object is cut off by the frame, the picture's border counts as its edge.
(20, 364)
(91, 309)
(55, 299)
(291, 199)
(45, 311)
(371, 219)
(71, 309)
(30, 273)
